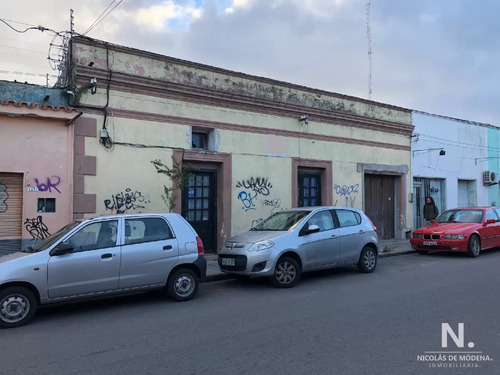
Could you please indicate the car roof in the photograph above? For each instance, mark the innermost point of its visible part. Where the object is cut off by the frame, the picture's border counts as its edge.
(472, 208)
(116, 216)
(313, 208)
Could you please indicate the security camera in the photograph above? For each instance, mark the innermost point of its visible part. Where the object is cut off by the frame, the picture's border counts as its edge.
(304, 119)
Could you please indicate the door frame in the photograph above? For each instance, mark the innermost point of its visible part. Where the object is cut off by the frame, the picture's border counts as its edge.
(221, 162)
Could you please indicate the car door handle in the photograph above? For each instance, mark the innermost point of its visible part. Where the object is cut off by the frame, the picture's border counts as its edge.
(107, 255)
(361, 231)
(167, 247)
(333, 236)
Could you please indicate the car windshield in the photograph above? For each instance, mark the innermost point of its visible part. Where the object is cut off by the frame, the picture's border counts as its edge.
(461, 216)
(49, 241)
(281, 221)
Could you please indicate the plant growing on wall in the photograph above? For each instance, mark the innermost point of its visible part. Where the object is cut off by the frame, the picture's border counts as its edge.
(179, 178)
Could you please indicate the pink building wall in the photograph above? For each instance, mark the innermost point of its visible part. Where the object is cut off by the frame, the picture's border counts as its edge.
(38, 143)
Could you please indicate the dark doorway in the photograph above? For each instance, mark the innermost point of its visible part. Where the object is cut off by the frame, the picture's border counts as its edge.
(380, 203)
(199, 206)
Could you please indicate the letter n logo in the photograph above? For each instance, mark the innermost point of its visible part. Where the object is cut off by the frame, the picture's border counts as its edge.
(457, 339)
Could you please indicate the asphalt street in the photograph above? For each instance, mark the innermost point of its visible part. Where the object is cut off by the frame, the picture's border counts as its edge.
(332, 322)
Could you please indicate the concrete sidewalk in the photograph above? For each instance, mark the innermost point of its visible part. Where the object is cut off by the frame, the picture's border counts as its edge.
(387, 248)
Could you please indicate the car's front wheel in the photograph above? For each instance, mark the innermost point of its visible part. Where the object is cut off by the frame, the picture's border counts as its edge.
(367, 260)
(182, 284)
(474, 246)
(17, 306)
(286, 272)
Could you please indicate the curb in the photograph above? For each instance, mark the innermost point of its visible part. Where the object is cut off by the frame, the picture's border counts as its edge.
(224, 276)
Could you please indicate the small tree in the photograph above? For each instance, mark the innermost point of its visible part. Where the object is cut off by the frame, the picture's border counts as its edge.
(179, 178)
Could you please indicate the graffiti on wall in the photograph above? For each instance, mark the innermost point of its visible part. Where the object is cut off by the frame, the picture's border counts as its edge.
(349, 202)
(255, 186)
(47, 184)
(346, 189)
(3, 197)
(247, 199)
(126, 200)
(347, 193)
(259, 185)
(37, 228)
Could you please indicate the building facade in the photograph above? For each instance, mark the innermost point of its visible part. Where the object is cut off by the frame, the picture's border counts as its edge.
(36, 167)
(454, 161)
(247, 146)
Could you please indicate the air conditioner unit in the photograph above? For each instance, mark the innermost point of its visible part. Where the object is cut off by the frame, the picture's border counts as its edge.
(489, 178)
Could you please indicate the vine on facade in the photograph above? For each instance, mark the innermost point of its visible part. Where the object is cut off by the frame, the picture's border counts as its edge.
(179, 178)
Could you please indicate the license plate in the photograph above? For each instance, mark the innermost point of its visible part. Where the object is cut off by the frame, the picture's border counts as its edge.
(430, 243)
(228, 262)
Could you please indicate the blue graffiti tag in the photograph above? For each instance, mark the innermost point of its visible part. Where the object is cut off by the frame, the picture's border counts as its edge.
(247, 200)
(3, 197)
(346, 190)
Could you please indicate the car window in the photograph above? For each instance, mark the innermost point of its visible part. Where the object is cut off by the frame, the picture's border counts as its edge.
(348, 218)
(461, 216)
(281, 221)
(323, 220)
(146, 230)
(490, 214)
(95, 236)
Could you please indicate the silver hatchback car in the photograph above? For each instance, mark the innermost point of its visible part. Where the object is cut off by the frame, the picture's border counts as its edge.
(102, 256)
(299, 240)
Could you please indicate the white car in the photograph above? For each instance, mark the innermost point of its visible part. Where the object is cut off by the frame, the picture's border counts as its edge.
(102, 256)
(300, 240)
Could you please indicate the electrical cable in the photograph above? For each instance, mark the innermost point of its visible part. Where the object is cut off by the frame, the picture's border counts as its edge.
(101, 17)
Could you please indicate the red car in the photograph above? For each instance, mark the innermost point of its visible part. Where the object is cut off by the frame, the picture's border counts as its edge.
(469, 230)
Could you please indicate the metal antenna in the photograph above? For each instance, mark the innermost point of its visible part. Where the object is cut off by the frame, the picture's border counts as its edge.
(369, 36)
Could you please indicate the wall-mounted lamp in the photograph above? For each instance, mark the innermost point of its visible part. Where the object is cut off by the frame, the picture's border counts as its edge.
(304, 119)
(93, 86)
(441, 151)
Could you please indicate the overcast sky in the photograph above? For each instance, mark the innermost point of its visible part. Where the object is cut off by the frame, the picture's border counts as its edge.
(437, 56)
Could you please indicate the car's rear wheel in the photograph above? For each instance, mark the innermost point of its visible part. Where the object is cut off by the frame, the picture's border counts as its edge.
(474, 247)
(367, 260)
(286, 272)
(182, 284)
(17, 306)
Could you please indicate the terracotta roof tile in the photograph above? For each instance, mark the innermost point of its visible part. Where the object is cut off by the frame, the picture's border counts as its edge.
(35, 105)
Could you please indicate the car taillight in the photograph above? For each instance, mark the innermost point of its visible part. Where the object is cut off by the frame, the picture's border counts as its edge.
(374, 227)
(199, 242)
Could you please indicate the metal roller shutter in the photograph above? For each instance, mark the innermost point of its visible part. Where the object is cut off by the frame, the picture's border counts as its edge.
(11, 205)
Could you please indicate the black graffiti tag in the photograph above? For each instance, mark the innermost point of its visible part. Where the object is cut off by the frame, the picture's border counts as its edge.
(128, 200)
(37, 228)
(258, 185)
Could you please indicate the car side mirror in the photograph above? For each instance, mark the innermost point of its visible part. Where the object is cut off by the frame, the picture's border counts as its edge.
(433, 221)
(313, 228)
(490, 221)
(61, 249)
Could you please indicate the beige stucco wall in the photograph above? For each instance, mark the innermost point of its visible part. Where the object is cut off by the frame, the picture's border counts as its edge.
(262, 145)
(41, 149)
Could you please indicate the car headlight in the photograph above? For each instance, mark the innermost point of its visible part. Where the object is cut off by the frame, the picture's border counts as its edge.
(417, 235)
(263, 245)
(453, 236)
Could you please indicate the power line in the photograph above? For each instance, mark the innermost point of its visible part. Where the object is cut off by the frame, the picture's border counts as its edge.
(102, 16)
